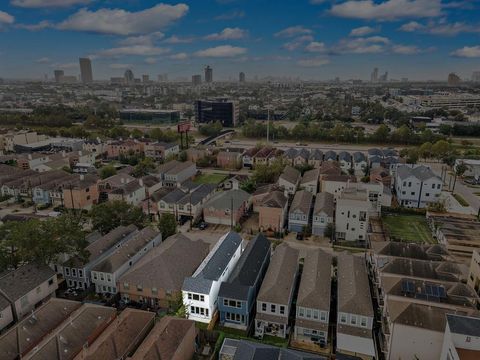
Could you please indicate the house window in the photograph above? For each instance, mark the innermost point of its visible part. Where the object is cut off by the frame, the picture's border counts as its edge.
(102, 277)
(309, 313)
(38, 290)
(74, 272)
(109, 277)
(315, 314)
(139, 288)
(363, 321)
(50, 281)
(301, 312)
(353, 320)
(323, 316)
(273, 308)
(154, 291)
(282, 310)
(24, 301)
(126, 286)
(343, 318)
(67, 271)
(264, 307)
(80, 273)
(95, 277)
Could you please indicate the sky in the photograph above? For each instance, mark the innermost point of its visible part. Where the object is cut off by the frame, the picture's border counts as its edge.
(310, 39)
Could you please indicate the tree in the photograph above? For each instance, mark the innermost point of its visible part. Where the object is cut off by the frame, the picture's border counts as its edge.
(107, 171)
(459, 171)
(167, 225)
(107, 216)
(265, 174)
(144, 167)
(440, 149)
(381, 134)
(425, 150)
(412, 156)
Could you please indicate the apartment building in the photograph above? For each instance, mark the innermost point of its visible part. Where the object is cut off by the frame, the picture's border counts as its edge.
(299, 215)
(351, 215)
(417, 186)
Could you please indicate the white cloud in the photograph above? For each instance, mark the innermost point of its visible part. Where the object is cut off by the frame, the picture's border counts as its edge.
(44, 24)
(178, 40)
(120, 66)
(467, 52)
(142, 39)
(134, 50)
(405, 49)
(6, 18)
(293, 31)
(316, 46)
(151, 60)
(363, 31)
(221, 51)
(179, 56)
(236, 14)
(411, 26)
(43, 60)
(313, 62)
(441, 27)
(387, 10)
(297, 42)
(362, 45)
(228, 34)
(48, 3)
(122, 22)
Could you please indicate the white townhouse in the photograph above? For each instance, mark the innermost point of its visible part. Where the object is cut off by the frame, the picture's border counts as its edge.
(417, 186)
(323, 213)
(107, 272)
(351, 215)
(200, 291)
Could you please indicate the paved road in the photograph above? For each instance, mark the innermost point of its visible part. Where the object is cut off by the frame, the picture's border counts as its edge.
(460, 188)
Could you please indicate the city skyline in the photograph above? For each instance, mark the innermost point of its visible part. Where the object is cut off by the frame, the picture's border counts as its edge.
(319, 40)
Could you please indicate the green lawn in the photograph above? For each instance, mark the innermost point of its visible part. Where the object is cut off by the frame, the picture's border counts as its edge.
(210, 178)
(408, 228)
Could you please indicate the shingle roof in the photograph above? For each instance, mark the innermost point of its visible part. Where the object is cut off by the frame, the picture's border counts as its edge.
(26, 278)
(275, 199)
(290, 174)
(126, 250)
(290, 153)
(247, 269)
(330, 155)
(316, 155)
(420, 172)
(223, 200)
(167, 265)
(314, 291)
(310, 175)
(353, 286)
(324, 202)
(197, 195)
(359, 156)
(302, 201)
(213, 266)
(277, 286)
(165, 338)
(345, 156)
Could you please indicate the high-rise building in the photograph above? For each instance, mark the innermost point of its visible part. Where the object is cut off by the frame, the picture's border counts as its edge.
(145, 79)
(208, 74)
(224, 110)
(86, 73)
(476, 76)
(162, 78)
(129, 78)
(453, 79)
(241, 77)
(384, 77)
(196, 80)
(374, 76)
(59, 74)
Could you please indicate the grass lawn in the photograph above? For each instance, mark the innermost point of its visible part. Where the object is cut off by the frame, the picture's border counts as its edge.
(210, 178)
(408, 228)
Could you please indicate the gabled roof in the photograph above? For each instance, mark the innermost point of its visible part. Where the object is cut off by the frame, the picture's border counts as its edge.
(275, 199)
(345, 156)
(302, 201)
(310, 175)
(330, 155)
(290, 175)
(167, 265)
(197, 195)
(314, 291)
(24, 279)
(277, 286)
(228, 199)
(303, 153)
(316, 154)
(353, 286)
(359, 156)
(324, 202)
(247, 269)
(290, 153)
(420, 172)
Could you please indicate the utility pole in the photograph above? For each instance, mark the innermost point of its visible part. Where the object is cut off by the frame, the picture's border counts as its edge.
(231, 213)
(268, 124)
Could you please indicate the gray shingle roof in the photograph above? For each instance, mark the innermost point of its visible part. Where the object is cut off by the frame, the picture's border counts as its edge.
(345, 156)
(279, 280)
(310, 175)
(223, 200)
(302, 201)
(324, 202)
(358, 156)
(247, 269)
(330, 155)
(420, 172)
(275, 199)
(290, 174)
(314, 291)
(353, 286)
(21, 281)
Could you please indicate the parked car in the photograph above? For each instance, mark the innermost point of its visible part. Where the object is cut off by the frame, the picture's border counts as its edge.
(203, 225)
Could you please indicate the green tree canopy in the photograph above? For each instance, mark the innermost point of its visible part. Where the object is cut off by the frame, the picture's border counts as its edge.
(107, 216)
(167, 225)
